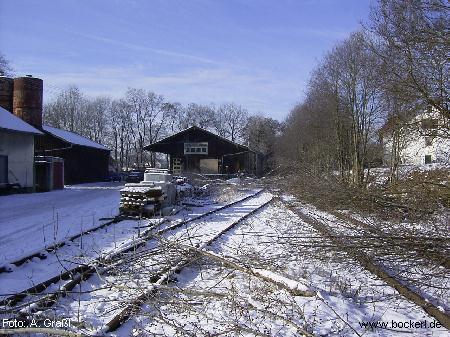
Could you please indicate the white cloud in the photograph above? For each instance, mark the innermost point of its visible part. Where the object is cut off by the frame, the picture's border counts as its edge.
(136, 47)
(258, 92)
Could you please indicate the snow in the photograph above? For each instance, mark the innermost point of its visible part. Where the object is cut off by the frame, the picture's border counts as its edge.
(277, 278)
(347, 295)
(31, 222)
(8, 121)
(134, 188)
(83, 250)
(211, 298)
(416, 272)
(233, 181)
(73, 138)
(185, 188)
(108, 293)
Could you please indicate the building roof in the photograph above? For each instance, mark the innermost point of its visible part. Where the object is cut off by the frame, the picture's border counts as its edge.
(161, 145)
(10, 122)
(73, 138)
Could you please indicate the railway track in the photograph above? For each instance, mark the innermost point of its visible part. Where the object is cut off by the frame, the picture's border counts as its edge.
(341, 241)
(88, 269)
(84, 272)
(42, 253)
(427, 248)
(164, 275)
(76, 274)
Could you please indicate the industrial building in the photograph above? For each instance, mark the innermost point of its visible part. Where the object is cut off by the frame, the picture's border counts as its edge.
(196, 150)
(58, 152)
(16, 152)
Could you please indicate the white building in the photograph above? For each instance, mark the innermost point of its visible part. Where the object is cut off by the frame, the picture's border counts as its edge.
(423, 140)
(16, 151)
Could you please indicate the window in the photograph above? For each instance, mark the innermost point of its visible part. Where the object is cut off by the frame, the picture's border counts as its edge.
(428, 141)
(427, 159)
(196, 148)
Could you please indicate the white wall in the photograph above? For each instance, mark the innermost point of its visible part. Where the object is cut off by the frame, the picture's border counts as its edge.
(19, 147)
(413, 144)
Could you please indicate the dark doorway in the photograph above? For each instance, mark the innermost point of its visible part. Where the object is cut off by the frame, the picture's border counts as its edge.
(428, 159)
(3, 169)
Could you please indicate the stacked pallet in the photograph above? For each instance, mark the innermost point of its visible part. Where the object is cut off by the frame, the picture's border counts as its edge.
(141, 199)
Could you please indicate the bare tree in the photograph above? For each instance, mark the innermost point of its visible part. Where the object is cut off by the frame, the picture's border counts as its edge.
(198, 115)
(336, 125)
(66, 110)
(412, 40)
(120, 121)
(149, 111)
(230, 120)
(5, 67)
(142, 117)
(359, 92)
(261, 134)
(174, 113)
(95, 119)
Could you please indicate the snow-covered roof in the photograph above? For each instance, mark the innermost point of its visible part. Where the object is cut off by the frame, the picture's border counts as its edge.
(10, 122)
(72, 137)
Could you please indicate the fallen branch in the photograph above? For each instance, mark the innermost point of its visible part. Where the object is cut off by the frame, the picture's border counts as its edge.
(372, 267)
(293, 287)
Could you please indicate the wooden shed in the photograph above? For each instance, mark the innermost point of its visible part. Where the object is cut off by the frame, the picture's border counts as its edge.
(201, 151)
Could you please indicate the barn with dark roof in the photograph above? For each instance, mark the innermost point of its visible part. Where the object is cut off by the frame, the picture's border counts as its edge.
(84, 160)
(196, 150)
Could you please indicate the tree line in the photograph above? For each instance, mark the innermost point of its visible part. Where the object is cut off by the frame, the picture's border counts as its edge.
(126, 125)
(393, 68)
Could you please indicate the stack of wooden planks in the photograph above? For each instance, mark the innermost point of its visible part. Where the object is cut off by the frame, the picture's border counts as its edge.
(141, 199)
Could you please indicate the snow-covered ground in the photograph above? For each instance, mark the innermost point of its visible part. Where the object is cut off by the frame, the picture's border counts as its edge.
(211, 299)
(30, 222)
(91, 246)
(105, 295)
(380, 175)
(272, 275)
(82, 250)
(393, 246)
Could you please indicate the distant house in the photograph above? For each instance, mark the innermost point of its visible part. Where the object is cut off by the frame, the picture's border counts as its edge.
(422, 140)
(17, 139)
(196, 150)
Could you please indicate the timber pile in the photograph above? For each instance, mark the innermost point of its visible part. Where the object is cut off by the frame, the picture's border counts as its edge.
(141, 199)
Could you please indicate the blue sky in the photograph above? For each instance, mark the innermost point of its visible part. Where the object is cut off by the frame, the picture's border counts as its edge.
(255, 53)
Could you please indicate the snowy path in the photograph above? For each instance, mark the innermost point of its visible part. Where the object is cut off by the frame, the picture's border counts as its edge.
(209, 299)
(87, 248)
(102, 297)
(30, 222)
(82, 250)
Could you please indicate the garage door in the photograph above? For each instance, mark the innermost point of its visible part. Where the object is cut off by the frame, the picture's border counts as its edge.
(209, 166)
